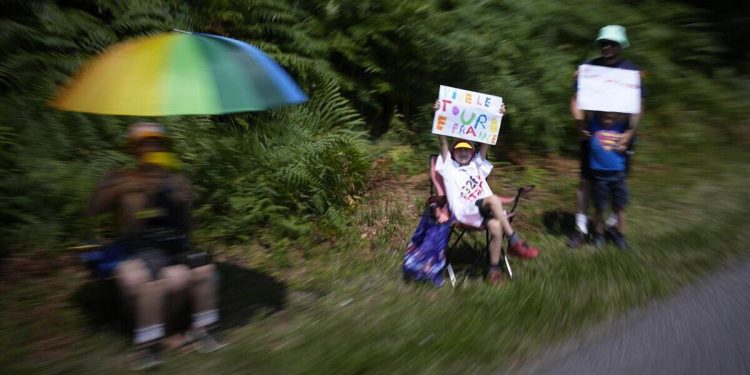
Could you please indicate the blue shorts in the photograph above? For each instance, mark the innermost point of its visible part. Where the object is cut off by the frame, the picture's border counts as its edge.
(606, 184)
(486, 213)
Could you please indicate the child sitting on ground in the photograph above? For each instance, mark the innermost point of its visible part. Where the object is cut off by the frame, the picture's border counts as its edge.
(464, 173)
(607, 161)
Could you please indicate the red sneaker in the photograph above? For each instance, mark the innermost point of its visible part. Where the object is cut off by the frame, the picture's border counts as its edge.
(522, 250)
(495, 277)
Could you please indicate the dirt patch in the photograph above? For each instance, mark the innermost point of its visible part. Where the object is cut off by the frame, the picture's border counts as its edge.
(37, 292)
(388, 184)
(561, 166)
(16, 268)
(740, 134)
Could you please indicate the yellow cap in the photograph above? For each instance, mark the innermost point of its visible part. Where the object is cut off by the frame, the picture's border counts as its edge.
(463, 145)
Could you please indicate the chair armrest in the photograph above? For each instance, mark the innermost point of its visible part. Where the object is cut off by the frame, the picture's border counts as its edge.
(507, 200)
(526, 189)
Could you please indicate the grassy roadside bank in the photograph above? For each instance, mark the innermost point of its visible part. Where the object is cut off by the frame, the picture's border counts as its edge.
(345, 309)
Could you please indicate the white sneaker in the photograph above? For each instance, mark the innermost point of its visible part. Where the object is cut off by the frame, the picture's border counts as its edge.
(611, 221)
(582, 224)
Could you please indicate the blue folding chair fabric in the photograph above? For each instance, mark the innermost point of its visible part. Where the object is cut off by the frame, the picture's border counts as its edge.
(102, 263)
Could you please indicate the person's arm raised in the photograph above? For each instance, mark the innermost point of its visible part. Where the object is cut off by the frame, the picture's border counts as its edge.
(485, 147)
(483, 150)
(445, 151)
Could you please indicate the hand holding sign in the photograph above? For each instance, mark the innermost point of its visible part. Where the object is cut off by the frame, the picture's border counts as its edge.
(468, 115)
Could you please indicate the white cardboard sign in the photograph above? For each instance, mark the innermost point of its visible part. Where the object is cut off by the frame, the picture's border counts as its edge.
(608, 89)
(468, 115)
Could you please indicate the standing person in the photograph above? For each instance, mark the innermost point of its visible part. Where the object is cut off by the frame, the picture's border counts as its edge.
(607, 162)
(151, 204)
(464, 173)
(611, 40)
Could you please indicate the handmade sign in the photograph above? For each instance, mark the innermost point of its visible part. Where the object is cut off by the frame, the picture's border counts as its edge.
(468, 115)
(608, 89)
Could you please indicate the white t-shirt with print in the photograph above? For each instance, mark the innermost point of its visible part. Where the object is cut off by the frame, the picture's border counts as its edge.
(464, 185)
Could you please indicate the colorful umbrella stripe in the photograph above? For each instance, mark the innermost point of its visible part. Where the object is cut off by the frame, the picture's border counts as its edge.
(179, 73)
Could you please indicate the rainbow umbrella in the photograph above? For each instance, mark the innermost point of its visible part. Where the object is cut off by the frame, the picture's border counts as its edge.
(179, 73)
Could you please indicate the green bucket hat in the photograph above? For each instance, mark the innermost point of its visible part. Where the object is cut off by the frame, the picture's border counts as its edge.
(615, 33)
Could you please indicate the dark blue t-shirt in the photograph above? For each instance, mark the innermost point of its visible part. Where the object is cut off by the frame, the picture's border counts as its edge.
(604, 139)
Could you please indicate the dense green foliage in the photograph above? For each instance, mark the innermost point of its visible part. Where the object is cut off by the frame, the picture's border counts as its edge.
(371, 68)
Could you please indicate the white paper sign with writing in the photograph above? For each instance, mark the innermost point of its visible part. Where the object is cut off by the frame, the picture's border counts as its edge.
(608, 89)
(468, 115)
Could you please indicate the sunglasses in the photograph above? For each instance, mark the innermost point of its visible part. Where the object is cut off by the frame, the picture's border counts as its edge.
(608, 43)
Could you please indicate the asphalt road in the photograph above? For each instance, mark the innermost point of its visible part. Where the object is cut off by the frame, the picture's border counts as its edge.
(705, 329)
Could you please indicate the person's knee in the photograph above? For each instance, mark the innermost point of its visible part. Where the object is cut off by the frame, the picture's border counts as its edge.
(176, 278)
(494, 204)
(206, 272)
(494, 227)
(132, 274)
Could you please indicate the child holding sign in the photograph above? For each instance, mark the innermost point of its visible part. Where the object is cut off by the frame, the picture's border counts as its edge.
(464, 173)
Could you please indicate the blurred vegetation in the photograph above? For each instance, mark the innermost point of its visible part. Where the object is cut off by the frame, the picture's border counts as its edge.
(321, 189)
(371, 69)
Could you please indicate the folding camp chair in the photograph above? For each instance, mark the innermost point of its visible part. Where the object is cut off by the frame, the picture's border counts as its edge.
(437, 188)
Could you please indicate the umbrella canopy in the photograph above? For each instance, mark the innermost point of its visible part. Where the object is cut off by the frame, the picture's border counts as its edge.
(179, 73)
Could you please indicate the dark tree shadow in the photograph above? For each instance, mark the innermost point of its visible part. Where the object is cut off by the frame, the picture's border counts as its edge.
(100, 301)
(243, 294)
(246, 293)
(559, 223)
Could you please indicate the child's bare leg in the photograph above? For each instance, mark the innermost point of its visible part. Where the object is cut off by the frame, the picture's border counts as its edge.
(620, 220)
(598, 239)
(494, 205)
(599, 222)
(497, 225)
(496, 240)
(516, 246)
(619, 238)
